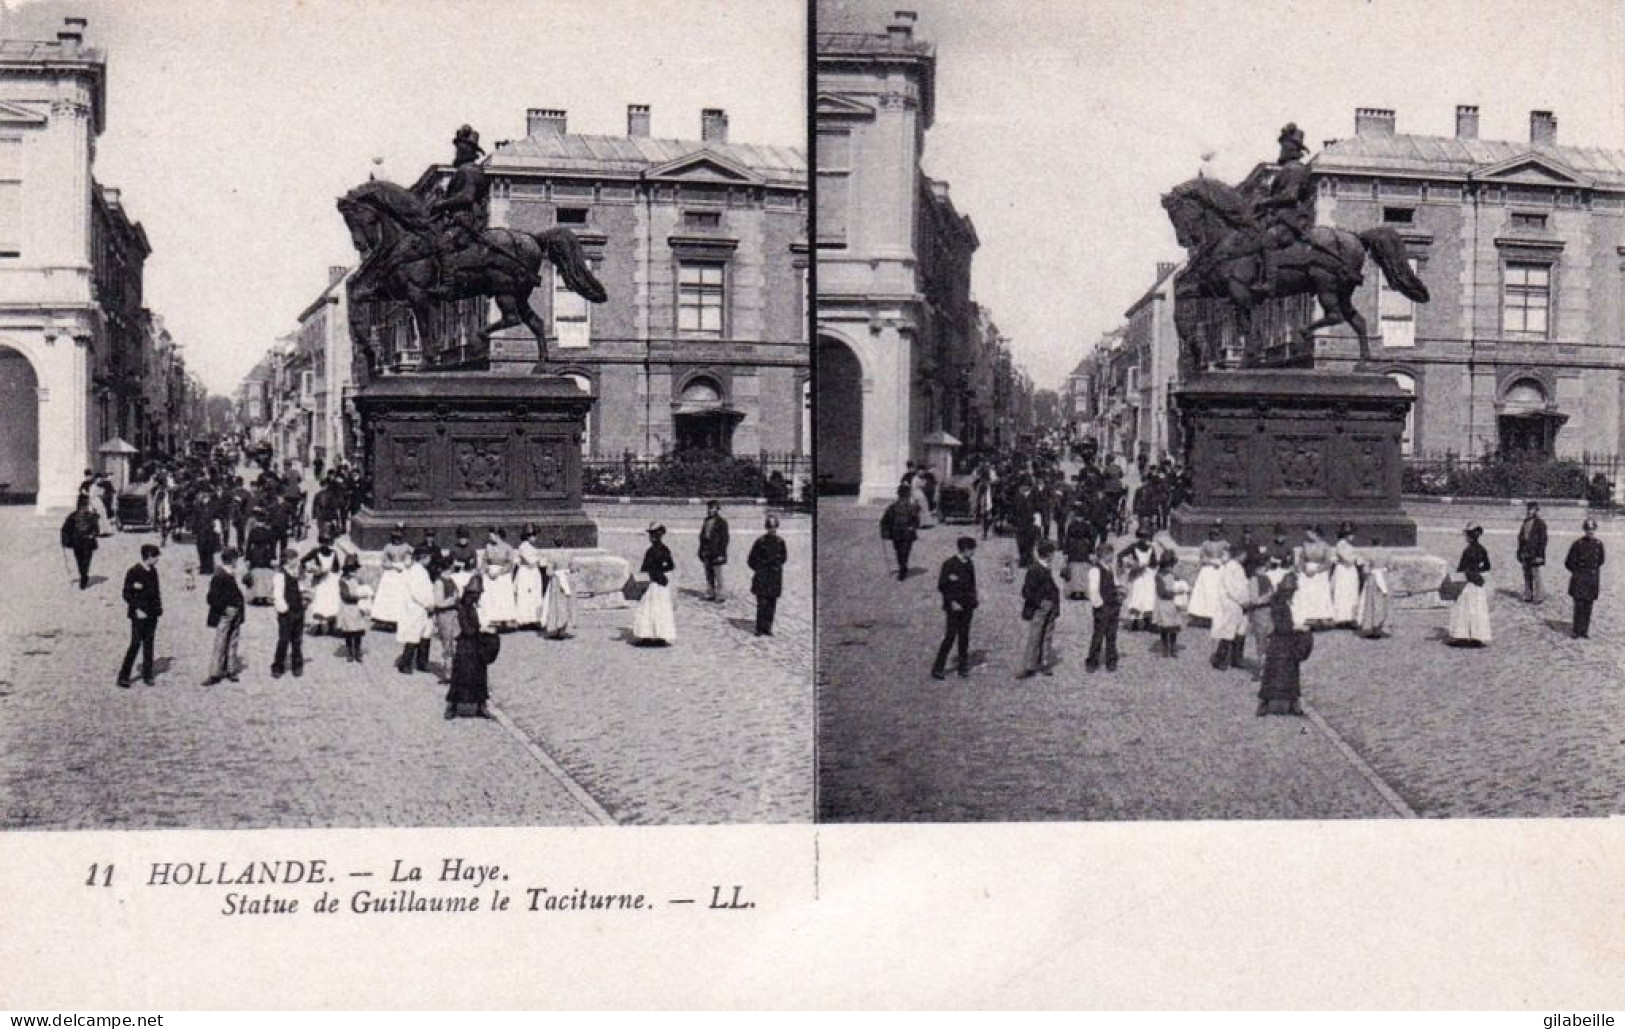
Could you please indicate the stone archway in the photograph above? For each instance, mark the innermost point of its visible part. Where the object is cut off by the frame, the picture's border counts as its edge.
(838, 418)
(19, 428)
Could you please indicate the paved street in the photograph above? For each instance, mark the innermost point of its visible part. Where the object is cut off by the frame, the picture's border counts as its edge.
(589, 729)
(1530, 726)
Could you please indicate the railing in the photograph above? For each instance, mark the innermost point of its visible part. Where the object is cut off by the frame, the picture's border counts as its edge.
(776, 477)
(1594, 478)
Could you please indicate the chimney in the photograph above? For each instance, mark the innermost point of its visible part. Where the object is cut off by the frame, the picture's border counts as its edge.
(1466, 121)
(544, 121)
(901, 29)
(1542, 128)
(714, 125)
(72, 32)
(335, 273)
(637, 121)
(1373, 122)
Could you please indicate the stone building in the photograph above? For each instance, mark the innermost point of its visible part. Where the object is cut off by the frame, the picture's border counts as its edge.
(322, 347)
(897, 346)
(1522, 244)
(702, 247)
(73, 335)
(1151, 368)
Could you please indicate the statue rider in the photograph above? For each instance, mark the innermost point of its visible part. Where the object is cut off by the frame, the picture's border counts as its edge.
(1286, 213)
(463, 212)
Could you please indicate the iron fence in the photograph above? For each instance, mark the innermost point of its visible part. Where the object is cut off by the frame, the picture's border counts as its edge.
(779, 478)
(1594, 478)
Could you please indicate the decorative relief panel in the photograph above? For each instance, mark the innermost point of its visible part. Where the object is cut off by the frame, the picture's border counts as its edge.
(1229, 465)
(1298, 466)
(1368, 466)
(479, 468)
(410, 467)
(548, 468)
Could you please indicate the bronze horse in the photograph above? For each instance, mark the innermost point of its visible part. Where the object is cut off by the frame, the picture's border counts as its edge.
(391, 228)
(1209, 219)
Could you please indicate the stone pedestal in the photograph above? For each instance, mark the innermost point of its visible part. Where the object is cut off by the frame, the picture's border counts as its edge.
(1294, 447)
(477, 450)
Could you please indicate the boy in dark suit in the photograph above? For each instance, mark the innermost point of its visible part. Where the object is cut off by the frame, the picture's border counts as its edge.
(144, 605)
(1584, 563)
(225, 618)
(1532, 554)
(957, 584)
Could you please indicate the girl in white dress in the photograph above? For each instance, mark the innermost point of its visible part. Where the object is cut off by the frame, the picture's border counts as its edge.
(1214, 552)
(390, 597)
(1345, 579)
(559, 604)
(1470, 617)
(498, 609)
(1140, 560)
(527, 581)
(326, 599)
(654, 621)
(1312, 603)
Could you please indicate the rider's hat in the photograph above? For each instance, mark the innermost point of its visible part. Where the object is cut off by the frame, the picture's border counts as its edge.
(466, 134)
(1290, 133)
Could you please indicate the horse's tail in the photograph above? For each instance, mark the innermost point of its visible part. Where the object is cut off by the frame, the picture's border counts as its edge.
(1388, 250)
(561, 247)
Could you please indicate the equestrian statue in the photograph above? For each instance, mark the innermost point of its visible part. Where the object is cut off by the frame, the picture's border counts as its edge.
(425, 253)
(1249, 244)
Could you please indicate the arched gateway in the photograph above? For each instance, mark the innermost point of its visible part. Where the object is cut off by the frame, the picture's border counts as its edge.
(839, 417)
(19, 428)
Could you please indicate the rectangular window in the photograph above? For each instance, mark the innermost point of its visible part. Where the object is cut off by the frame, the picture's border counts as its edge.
(1529, 222)
(700, 298)
(11, 196)
(1396, 314)
(1526, 301)
(1399, 215)
(702, 219)
(571, 215)
(834, 185)
(572, 316)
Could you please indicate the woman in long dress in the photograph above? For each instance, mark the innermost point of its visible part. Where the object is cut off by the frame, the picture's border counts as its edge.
(558, 603)
(1080, 540)
(1213, 553)
(1289, 647)
(1168, 617)
(527, 581)
(262, 572)
(1313, 599)
(1142, 583)
(654, 620)
(498, 608)
(388, 602)
(916, 487)
(470, 682)
(1470, 617)
(1345, 579)
(1260, 593)
(1374, 602)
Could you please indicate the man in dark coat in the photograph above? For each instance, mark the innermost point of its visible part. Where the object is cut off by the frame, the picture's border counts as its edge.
(226, 607)
(290, 619)
(901, 524)
(1532, 554)
(766, 560)
(957, 584)
(1041, 604)
(1024, 514)
(80, 532)
(713, 549)
(144, 604)
(1584, 563)
(206, 530)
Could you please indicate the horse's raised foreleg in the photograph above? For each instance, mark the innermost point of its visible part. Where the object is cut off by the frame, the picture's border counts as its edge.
(508, 306)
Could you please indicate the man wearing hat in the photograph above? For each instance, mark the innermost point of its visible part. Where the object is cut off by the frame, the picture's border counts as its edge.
(1286, 212)
(464, 553)
(1584, 563)
(1532, 553)
(900, 523)
(713, 549)
(957, 584)
(766, 559)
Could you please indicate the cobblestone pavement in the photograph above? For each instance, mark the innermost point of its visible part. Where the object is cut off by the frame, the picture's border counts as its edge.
(1529, 726)
(716, 728)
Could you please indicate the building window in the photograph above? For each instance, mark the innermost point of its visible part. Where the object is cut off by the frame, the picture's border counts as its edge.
(834, 185)
(1527, 299)
(1396, 313)
(1407, 442)
(1529, 222)
(700, 297)
(571, 215)
(572, 316)
(11, 196)
(702, 219)
(1399, 215)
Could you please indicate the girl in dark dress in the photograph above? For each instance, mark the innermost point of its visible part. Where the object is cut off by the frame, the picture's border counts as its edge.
(470, 686)
(1288, 648)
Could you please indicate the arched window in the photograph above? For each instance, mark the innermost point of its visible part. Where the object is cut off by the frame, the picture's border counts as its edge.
(1523, 396)
(1407, 442)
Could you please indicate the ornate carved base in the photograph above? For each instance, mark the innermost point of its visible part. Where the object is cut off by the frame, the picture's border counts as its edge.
(1296, 448)
(452, 449)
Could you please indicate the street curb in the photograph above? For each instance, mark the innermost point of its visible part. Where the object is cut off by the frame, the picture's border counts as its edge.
(1423, 498)
(593, 498)
(577, 792)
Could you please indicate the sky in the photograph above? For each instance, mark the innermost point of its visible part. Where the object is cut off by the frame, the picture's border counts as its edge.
(233, 125)
(1060, 122)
